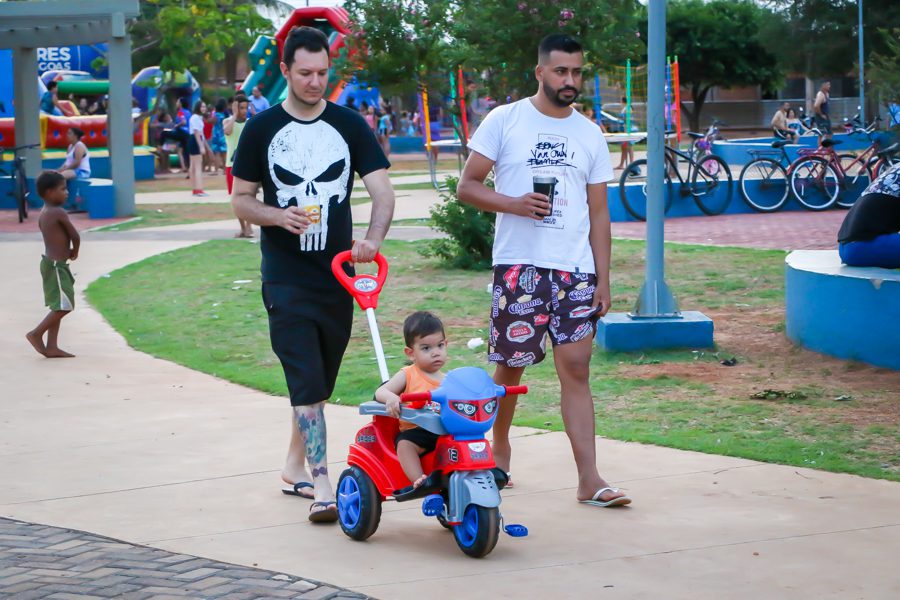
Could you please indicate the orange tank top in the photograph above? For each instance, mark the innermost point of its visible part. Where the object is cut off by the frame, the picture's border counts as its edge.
(416, 381)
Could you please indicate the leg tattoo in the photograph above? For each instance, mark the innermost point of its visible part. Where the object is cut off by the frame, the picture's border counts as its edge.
(311, 424)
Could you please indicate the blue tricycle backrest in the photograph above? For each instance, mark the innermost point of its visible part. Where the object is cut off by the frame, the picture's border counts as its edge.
(468, 398)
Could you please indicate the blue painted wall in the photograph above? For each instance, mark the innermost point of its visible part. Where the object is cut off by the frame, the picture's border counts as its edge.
(848, 317)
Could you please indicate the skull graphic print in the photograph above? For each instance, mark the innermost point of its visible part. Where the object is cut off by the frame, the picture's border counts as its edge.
(310, 166)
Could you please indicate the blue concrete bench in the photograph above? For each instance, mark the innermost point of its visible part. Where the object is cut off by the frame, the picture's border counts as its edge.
(847, 312)
(95, 195)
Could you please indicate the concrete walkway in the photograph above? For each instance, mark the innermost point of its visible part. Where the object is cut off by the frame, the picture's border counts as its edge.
(121, 444)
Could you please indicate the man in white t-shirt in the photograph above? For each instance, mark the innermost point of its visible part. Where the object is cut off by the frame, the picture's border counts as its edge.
(551, 256)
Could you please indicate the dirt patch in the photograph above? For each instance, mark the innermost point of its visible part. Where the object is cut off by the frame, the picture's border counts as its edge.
(767, 359)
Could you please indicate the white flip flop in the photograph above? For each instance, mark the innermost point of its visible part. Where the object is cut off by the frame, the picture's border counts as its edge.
(595, 499)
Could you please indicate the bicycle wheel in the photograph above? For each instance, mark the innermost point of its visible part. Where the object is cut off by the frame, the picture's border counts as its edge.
(764, 185)
(633, 189)
(857, 176)
(883, 165)
(814, 183)
(711, 185)
(21, 193)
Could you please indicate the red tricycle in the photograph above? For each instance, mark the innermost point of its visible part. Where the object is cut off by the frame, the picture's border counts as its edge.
(463, 486)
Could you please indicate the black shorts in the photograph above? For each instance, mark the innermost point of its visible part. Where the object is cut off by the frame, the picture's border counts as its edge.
(823, 123)
(193, 146)
(422, 438)
(309, 334)
(530, 303)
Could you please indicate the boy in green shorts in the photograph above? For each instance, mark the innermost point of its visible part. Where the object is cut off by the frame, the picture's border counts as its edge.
(61, 243)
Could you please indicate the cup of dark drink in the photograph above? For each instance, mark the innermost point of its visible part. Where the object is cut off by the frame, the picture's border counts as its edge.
(546, 185)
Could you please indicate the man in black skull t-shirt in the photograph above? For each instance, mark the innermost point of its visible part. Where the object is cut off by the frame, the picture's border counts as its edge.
(304, 152)
(310, 165)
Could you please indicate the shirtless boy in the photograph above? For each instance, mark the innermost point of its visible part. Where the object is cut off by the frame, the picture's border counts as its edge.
(61, 243)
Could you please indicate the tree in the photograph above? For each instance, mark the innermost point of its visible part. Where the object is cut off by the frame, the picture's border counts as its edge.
(178, 35)
(883, 70)
(718, 44)
(399, 44)
(502, 36)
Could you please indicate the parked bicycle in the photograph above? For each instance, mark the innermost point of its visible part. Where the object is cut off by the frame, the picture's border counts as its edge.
(764, 180)
(703, 142)
(821, 178)
(19, 188)
(705, 176)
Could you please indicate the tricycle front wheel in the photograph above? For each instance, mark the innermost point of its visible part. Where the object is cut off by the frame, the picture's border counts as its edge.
(477, 535)
(358, 504)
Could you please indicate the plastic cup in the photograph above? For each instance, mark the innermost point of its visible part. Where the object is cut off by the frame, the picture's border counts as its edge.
(546, 185)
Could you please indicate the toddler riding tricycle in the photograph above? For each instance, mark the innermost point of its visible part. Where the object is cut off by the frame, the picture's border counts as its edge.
(463, 486)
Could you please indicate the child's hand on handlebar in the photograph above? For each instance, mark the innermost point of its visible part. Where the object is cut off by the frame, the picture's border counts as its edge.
(393, 406)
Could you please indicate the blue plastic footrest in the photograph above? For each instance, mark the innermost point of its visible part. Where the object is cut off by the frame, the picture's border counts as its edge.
(516, 530)
(433, 505)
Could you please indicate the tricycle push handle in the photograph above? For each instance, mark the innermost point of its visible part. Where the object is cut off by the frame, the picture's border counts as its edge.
(364, 288)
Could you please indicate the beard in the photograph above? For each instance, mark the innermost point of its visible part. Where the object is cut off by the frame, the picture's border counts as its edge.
(556, 96)
(304, 101)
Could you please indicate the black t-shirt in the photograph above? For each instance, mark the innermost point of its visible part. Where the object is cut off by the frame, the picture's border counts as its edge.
(877, 212)
(309, 164)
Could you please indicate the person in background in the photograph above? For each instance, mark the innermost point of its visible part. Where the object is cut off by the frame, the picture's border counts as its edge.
(78, 160)
(780, 126)
(821, 111)
(232, 128)
(385, 129)
(258, 102)
(197, 148)
(627, 155)
(50, 101)
(793, 123)
(870, 233)
(217, 144)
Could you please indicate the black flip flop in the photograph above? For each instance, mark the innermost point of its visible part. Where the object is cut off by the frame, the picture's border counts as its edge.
(328, 514)
(294, 490)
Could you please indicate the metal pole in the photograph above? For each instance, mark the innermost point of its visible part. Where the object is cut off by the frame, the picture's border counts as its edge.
(376, 342)
(862, 79)
(655, 299)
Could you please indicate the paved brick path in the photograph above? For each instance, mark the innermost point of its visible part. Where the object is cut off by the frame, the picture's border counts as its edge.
(791, 230)
(42, 562)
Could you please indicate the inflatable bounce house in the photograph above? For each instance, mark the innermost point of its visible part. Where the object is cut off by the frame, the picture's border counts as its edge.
(265, 57)
(72, 67)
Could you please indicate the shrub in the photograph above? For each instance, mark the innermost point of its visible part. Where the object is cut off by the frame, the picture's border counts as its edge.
(470, 232)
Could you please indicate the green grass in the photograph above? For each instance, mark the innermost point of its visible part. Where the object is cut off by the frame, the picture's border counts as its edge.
(159, 215)
(201, 318)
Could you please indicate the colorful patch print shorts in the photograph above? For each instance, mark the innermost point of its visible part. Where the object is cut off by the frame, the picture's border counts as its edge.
(531, 302)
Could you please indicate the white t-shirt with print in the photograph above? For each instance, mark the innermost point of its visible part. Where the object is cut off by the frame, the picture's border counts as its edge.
(195, 124)
(524, 142)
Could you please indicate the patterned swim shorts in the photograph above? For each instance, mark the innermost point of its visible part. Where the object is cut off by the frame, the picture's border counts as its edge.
(531, 302)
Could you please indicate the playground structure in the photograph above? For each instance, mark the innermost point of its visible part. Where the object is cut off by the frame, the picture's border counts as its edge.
(616, 82)
(265, 56)
(144, 89)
